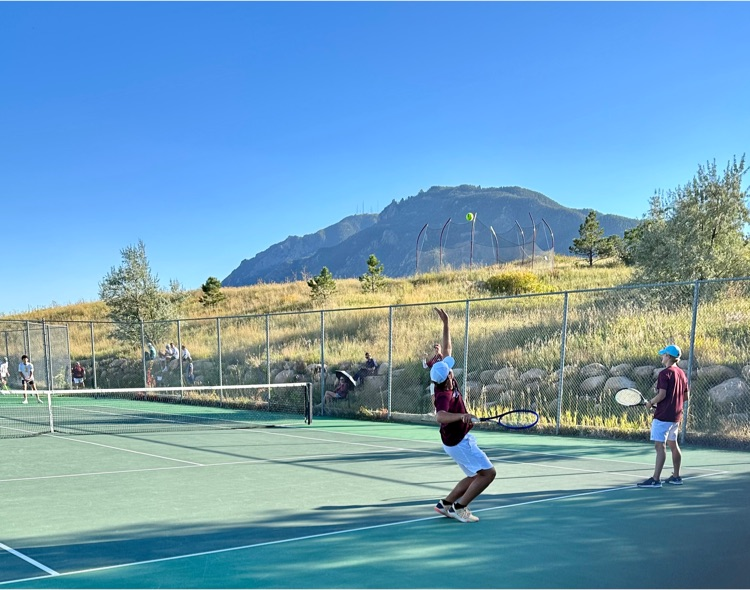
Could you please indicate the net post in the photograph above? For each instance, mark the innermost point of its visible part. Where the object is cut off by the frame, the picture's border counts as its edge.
(308, 402)
(49, 410)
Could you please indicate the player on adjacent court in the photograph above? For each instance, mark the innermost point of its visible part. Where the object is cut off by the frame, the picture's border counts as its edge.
(26, 371)
(458, 442)
(671, 393)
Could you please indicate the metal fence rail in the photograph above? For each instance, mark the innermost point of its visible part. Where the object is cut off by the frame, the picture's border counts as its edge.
(563, 354)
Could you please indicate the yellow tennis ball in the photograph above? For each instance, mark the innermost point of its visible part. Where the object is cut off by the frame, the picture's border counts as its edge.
(469, 216)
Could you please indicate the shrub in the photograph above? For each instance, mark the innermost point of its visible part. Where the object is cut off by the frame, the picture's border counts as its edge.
(514, 283)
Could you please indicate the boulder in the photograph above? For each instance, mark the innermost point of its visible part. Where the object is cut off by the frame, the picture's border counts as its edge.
(285, 376)
(715, 373)
(592, 385)
(617, 383)
(623, 369)
(731, 391)
(507, 375)
(644, 372)
(533, 375)
(487, 376)
(593, 370)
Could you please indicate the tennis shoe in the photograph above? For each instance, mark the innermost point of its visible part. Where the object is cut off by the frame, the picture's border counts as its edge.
(650, 483)
(441, 509)
(25, 401)
(674, 480)
(462, 514)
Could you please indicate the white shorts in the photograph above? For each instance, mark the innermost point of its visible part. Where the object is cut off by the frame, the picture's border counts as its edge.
(664, 431)
(470, 458)
(77, 380)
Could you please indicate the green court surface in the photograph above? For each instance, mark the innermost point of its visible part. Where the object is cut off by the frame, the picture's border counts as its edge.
(346, 504)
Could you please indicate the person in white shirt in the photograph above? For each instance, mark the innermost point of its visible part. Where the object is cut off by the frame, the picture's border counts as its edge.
(4, 374)
(185, 354)
(26, 371)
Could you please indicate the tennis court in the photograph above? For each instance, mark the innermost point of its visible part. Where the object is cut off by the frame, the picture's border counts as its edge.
(348, 504)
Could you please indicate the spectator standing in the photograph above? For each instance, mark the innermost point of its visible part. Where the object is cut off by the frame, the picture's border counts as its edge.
(151, 352)
(4, 374)
(79, 374)
(190, 372)
(26, 371)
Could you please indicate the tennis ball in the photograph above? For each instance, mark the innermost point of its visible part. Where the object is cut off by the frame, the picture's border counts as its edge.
(469, 216)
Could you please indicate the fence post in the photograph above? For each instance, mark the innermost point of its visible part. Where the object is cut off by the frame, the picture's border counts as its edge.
(218, 345)
(268, 349)
(179, 349)
(143, 355)
(390, 358)
(466, 352)
(323, 372)
(93, 353)
(693, 324)
(561, 381)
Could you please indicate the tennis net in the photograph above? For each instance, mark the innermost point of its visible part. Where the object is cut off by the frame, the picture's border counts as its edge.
(122, 411)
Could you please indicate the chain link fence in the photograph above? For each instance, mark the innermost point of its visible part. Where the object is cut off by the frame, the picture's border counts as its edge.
(561, 354)
(46, 345)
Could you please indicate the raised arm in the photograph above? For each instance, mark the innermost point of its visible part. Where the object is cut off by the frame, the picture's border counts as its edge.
(447, 346)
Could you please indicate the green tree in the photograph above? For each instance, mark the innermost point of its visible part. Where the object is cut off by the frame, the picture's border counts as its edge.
(132, 294)
(697, 231)
(212, 294)
(373, 279)
(322, 286)
(591, 242)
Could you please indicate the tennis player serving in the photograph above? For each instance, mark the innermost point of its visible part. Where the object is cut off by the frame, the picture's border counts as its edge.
(458, 442)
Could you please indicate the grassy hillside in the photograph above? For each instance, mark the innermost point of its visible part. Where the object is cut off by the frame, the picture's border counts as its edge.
(569, 274)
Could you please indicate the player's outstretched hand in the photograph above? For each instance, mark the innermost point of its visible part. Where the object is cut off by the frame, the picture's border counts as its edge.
(441, 313)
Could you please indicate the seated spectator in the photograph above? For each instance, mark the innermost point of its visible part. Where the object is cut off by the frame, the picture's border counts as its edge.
(151, 352)
(341, 391)
(79, 374)
(437, 357)
(186, 358)
(368, 368)
(171, 352)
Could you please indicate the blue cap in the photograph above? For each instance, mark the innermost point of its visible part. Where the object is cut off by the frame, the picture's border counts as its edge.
(672, 350)
(439, 371)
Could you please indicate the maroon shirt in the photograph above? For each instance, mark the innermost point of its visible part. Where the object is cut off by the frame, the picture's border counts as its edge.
(438, 357)
(448, 399)
(674, 381)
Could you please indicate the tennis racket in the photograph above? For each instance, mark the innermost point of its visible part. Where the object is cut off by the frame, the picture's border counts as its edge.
(514, 420)
(630, 397)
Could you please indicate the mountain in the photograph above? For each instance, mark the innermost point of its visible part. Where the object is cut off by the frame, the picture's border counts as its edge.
(415, 235)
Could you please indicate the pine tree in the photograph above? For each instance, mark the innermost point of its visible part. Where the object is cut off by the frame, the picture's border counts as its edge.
(322, 286)
(373, 280)
(212, 294)
(591, 239)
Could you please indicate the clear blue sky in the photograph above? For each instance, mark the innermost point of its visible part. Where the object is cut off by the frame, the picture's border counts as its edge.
(212, 131)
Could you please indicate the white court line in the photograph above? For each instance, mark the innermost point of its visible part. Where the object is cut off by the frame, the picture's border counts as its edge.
(28, 559)
(359, 444)
(321, 535)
